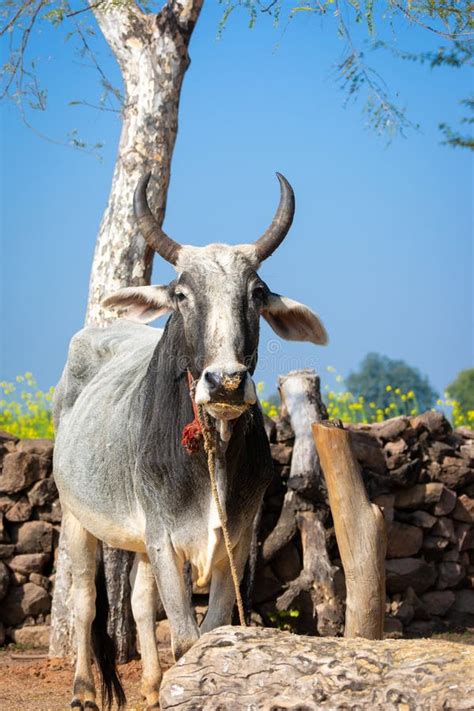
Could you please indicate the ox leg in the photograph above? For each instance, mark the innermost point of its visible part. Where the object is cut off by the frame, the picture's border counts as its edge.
(81, 546)
(222, 593)
(169, 573)
(144, 606)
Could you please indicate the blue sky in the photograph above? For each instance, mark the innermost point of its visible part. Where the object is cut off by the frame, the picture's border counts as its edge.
(381, 246)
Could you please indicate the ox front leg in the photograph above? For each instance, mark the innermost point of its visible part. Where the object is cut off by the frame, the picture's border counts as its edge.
(144, 606)
(81, 546)
(222, 592)
(169, 573)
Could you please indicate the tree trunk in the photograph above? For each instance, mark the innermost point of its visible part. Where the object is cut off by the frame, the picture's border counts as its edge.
(242, 668)
(360, 532)
(302, 402)
(152, 52)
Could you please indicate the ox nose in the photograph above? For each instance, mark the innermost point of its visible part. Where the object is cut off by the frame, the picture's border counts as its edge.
(228, 387)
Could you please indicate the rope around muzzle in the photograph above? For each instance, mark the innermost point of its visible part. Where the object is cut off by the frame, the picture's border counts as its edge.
(203, 427)
(210, 449)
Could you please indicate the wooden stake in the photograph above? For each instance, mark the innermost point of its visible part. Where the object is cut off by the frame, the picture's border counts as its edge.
(360, 532)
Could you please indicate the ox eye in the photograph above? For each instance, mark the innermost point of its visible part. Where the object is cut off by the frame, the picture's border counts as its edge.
(258, 293)
(180, 296)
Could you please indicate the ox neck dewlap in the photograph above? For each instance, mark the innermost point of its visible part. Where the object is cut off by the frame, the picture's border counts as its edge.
(201, 428)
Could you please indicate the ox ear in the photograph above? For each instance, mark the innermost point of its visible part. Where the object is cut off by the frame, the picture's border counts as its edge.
(140, 303)
(294, 321)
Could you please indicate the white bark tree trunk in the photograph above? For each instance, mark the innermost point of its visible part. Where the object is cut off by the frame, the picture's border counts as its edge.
(152, 52)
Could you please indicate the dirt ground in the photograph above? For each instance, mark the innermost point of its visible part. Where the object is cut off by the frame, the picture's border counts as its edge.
(29, 681)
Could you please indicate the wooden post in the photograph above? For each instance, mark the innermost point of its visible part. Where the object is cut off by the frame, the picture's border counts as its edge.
(302, 403)
(360, 532)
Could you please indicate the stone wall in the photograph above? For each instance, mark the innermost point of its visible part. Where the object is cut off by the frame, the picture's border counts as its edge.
(30, 517)
(418, 470)
(421, 473)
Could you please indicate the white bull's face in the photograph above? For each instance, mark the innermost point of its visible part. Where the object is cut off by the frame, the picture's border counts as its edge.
(218, 299)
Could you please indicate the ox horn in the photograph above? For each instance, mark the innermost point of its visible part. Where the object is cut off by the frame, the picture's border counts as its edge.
(149, 227)
(276, 233)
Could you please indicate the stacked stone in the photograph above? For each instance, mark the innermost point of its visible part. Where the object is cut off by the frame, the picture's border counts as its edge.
(29, 527)
(417, 469)
(421, 473)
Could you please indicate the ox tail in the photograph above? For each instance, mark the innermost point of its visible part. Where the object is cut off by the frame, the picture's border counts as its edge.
(103, 645)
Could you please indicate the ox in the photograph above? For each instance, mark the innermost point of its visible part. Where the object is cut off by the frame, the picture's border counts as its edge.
(122, 472)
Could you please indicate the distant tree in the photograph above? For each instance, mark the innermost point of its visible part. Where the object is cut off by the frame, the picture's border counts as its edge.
(377, 372)
(462, 389)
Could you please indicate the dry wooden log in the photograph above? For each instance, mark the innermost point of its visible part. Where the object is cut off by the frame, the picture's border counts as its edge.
(255, 668)
(302, 403)
(360, 532)
(316, 577)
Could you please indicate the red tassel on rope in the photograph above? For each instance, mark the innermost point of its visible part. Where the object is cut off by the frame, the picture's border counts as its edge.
(192, 432)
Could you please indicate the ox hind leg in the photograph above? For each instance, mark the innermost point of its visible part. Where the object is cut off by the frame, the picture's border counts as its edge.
(81, 546)
(144, 607)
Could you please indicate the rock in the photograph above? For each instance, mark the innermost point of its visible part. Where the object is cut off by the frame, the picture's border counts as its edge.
(270, 427)
(33, 537)
(368, 452)
(402, 573)
(407, 474)
(467, 452)
(4, 538)
(267, 586)
(287, 563)
(435, 544)
(51, 512)
(20, 511)
(449, 575)
(35, 636)
(43, 492)
(390, 429)
(240, 668)
(446, 503)
(284, 431)
(462, 612)
(27, 599)
(20, 470)
(281, 453)
(455, 473)
(444, 527)
(419, 496)
(28, 563)
(6, 502)
(6, 550)
(420, 628)
(18, 578)
(403, 540)
(452, 555)
(416, 518)
(4, 580)
(433, 421)
(438, 450)
(464, 509)
(438, 602)
(41, 447)
(41, 580)
(7, 437)
(465, 432)
(392, 628)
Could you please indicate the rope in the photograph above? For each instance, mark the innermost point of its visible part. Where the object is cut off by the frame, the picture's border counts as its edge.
(210, 449)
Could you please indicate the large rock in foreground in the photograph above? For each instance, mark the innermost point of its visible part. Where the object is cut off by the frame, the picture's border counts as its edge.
(255, 668)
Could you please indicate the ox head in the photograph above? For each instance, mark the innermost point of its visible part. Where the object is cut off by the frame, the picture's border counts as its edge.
(218, 299)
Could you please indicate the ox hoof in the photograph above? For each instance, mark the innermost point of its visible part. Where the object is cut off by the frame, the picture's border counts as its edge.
(91, 705)
(77, 704)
